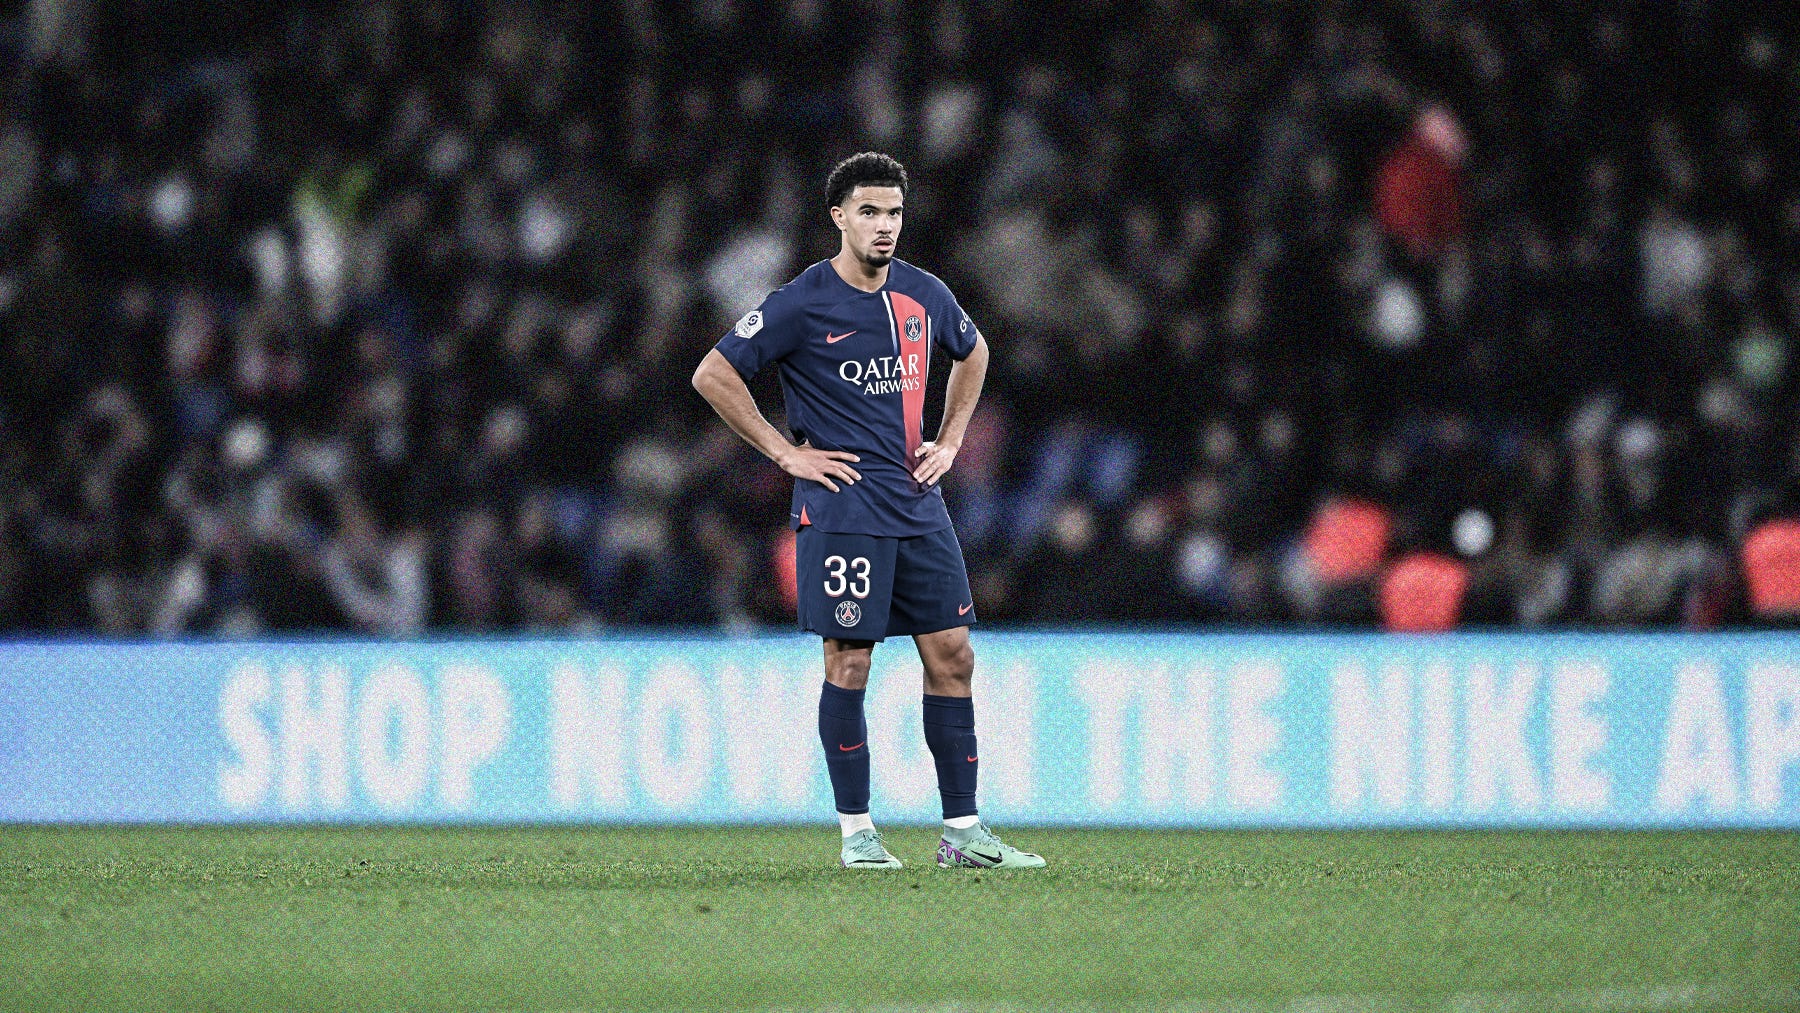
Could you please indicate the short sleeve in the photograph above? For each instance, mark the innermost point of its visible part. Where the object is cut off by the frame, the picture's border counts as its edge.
(958, 336)
(765, 334)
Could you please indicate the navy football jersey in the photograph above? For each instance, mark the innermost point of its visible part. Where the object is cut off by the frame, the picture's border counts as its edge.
(853, 370)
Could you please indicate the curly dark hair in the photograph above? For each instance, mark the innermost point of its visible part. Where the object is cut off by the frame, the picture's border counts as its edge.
(868, 168)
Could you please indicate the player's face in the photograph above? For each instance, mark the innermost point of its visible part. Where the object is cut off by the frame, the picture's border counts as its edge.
(870, 221)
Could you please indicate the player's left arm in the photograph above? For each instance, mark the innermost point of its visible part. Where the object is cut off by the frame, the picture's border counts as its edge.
(966, 378)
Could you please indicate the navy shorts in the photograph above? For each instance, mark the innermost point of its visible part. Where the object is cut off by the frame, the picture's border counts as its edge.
(866, 587)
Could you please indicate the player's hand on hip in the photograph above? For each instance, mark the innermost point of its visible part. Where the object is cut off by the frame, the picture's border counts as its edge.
(809, 462)
(934, 462)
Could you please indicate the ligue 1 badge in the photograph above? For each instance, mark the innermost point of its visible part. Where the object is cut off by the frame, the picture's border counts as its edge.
(849, 613)
(914, 328)
(750, 324)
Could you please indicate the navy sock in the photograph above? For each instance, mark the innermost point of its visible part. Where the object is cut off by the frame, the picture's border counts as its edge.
(950, 733)
(845, 736)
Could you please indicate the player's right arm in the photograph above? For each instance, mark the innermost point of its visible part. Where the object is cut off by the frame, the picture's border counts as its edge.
(718, 382)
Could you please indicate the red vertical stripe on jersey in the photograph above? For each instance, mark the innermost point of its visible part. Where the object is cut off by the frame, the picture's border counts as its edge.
(915, 358)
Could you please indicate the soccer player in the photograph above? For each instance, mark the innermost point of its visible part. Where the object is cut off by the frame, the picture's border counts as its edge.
(876, 555)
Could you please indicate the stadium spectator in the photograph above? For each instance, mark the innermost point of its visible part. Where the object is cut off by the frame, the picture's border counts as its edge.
(1332, 576)
(1771, 561)
(1423, 592)
(1418, 189)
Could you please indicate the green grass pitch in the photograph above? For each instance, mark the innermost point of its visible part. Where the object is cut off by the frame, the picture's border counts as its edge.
(760, 918)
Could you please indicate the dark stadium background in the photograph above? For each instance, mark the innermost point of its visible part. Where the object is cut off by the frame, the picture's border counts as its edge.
(379, 317)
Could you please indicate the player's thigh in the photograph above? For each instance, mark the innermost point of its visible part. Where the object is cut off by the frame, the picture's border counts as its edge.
(845, 583)
(931, 585)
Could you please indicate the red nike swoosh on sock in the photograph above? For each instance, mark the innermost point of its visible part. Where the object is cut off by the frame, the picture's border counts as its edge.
(846, 749)
(971, 759)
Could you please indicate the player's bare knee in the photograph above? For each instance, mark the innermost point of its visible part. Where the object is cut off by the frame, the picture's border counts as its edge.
(951, 673)
(848, 676)
(848, 670)
(962, 663)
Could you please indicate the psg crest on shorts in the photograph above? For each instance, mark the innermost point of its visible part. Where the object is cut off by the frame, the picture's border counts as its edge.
(849, 613)
(914, 328)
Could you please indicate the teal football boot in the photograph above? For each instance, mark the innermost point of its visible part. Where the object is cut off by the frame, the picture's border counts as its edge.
(863, 850)
(979, 848)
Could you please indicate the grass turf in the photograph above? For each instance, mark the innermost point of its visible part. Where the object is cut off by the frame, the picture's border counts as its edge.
(753, 918)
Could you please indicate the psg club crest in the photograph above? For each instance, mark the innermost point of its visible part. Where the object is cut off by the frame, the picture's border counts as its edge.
(849, 613)
(914, 328)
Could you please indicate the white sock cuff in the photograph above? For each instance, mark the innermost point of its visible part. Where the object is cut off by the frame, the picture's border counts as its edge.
(851, 823)
(962, 822)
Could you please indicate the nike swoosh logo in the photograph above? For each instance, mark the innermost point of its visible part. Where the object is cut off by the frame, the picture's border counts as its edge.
(971, 759)
(849, 749)
(963, 610)
(995, 859)
(832, 339)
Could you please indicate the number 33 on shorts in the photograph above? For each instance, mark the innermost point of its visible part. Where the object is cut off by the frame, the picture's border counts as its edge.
(845, 583)
(843, 575)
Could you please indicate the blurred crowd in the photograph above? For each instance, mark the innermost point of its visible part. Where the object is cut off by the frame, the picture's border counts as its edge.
(379, 316)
